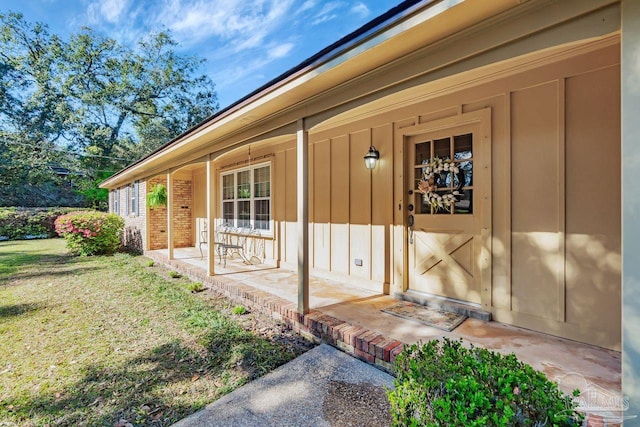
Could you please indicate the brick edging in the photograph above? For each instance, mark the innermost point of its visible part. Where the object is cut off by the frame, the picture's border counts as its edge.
(361, 343)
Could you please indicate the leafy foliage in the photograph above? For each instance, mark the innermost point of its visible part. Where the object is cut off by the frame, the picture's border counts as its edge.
(195, 287)
(19, 223)
(447, 384)
(239, 310)
(157, 196)
(90, 233)
(89, 105)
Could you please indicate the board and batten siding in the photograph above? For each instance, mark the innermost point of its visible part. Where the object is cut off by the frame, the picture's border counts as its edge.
(555, 186)
(555, 191)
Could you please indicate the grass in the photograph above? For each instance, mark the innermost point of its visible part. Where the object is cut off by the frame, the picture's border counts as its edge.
(91, 341)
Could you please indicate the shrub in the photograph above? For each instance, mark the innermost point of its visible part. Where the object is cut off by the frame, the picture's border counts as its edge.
(91, 233)
(150, 263)
(195, 287)
(174, 274)
(29, 223)
(446, 384)
(239, 309)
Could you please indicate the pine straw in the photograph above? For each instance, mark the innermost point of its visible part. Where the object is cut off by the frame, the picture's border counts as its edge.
(108, 340)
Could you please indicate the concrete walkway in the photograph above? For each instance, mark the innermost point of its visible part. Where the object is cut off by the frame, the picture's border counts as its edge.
(323, 387)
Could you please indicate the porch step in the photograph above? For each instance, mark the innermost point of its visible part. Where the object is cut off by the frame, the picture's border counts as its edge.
(444, 304)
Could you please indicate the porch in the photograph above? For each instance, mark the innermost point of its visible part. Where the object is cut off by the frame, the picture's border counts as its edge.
(351, 319)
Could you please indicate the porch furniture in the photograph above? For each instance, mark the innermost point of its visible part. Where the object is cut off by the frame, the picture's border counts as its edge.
(201, 234)
(233, 241)
(229, 240)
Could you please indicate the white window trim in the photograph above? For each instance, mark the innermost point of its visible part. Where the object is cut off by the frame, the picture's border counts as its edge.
(127, 203)
(116, 204)
(265, 232)
(133, 199)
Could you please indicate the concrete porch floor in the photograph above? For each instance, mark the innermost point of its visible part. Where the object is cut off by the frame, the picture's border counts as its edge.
(570, 363)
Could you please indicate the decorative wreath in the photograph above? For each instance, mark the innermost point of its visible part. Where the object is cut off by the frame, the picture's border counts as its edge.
(427, 185)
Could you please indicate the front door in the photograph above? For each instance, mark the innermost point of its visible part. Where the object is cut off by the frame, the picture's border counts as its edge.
(446, 189)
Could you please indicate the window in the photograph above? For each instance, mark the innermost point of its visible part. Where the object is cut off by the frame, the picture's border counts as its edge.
(116, 202)
(132, 199)
(460, 149)
(246, 197)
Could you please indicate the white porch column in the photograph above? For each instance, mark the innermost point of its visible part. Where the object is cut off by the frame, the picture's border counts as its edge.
(302, 152)
(211, 217)
(630, 108)
(170, 214)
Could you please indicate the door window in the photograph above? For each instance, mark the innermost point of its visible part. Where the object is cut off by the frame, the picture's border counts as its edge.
(456, 181)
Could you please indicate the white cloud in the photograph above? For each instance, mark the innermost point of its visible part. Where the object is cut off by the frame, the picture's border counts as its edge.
(245, 23)
(280, 50)
(110, 11)
(361, 10)
(306, 6)
(326, 13)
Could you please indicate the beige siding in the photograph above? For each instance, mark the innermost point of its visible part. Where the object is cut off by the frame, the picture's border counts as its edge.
(340, 236)
(593, 202)
(555, 228)
(535, 222)
(552, 220)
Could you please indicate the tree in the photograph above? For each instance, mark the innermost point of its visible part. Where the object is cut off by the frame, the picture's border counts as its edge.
(104, 103)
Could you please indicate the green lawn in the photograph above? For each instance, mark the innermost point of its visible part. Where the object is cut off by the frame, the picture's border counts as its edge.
(96, 340)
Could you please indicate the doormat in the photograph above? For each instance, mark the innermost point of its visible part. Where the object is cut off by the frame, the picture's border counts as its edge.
(438, 318)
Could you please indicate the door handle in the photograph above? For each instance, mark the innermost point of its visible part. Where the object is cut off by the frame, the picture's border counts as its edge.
(410, 222)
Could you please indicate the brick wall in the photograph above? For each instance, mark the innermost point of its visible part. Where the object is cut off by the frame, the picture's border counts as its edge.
(157, 220)
(134, 232)
(182, 216)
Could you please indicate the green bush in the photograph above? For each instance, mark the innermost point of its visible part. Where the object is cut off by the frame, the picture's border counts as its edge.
(91, 233)
(29, 223)
(174, 274)
(447, 384)
(195, 287)
(239, 310)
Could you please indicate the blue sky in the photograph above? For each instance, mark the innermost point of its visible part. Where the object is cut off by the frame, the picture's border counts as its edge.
(245, 42)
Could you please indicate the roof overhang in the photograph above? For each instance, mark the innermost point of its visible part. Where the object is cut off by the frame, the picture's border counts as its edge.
(264, 112)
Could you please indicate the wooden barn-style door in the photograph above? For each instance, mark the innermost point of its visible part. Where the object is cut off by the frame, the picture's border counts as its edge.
(448, 193)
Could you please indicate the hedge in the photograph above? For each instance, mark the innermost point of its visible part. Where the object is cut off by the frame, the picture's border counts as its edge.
(29, 223)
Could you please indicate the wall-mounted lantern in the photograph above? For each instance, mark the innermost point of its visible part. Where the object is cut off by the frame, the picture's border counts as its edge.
(371, 158)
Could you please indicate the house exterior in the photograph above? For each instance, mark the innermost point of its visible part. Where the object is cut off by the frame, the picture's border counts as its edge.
(525, 97)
